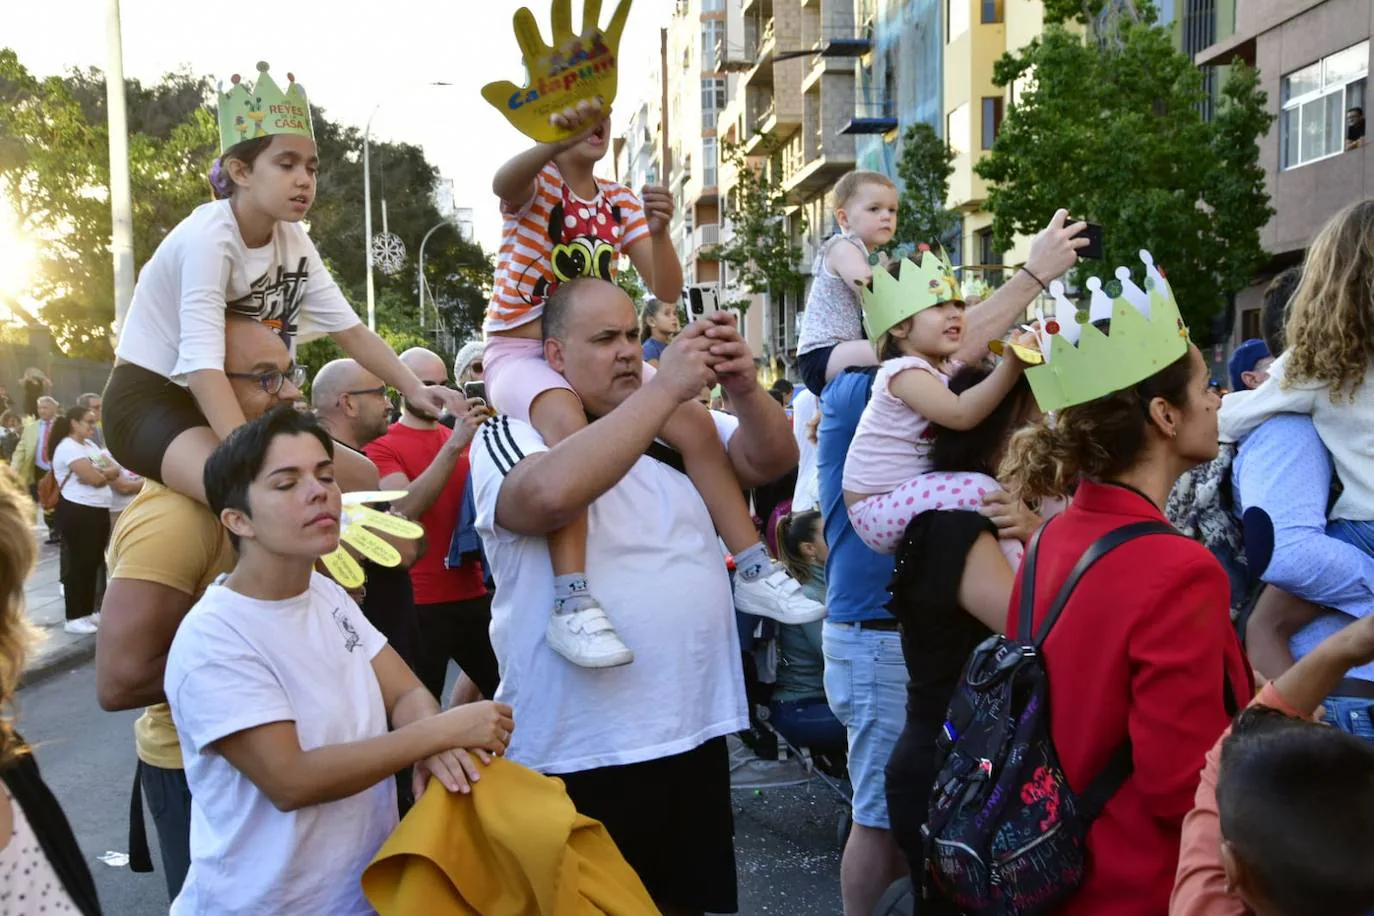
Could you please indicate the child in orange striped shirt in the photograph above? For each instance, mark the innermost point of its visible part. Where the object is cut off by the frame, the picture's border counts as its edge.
(562, 223)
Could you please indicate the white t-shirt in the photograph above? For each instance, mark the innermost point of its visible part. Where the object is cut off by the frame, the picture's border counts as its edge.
(76, 490)
(807, 495)
(655, 564)
(202, 269)
(120, 501)
(237, 663)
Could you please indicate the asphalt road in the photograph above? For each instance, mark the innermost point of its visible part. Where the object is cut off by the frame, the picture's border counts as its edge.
(787, 851)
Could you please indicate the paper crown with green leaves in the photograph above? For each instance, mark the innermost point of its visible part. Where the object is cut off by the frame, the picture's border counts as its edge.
(262, 109)
(919, 285)
(1083, 363)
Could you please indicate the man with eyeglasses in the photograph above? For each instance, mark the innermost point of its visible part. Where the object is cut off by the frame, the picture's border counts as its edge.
(419, 455)
(352, 406)
(164, 551)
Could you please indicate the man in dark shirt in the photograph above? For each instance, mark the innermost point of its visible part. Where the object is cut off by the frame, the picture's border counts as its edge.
(1354, 128)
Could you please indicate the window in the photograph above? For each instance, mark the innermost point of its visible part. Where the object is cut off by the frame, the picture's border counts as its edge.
(956, 18)
(712, 100)
(1315, 100)
(712, 34)
(992, 119)
(1250, 324)
(708, 162)
(991, 10)
(987, 253)
(713, 6)
(957, 129)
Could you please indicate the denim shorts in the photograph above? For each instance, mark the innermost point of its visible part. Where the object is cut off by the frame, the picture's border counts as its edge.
(865, 683)
(1351, 715)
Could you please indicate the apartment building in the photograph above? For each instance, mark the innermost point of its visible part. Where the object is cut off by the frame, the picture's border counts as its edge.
(795, 62)
(1313, 62)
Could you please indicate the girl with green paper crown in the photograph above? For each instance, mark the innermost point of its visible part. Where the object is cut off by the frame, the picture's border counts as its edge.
(914, 312)
(169, 401)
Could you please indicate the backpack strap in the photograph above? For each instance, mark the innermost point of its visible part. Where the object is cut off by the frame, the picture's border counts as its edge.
(1118, 769)
(1026, 618)
(1096, 551)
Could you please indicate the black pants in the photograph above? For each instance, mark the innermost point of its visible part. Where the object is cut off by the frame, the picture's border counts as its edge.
(85, 531)
(169, 800)
(458, 630)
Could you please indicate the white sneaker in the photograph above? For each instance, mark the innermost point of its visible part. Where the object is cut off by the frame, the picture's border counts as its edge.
(777, 596)
(586, 638)
(82, 626)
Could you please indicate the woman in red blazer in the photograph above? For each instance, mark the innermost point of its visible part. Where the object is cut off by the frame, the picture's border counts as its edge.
(1144, 648)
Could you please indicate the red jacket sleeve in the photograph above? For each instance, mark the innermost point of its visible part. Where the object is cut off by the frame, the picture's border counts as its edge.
(1178, 653)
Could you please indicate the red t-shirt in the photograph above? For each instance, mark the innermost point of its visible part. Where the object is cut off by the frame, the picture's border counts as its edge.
(1142, 649)
(409, 451)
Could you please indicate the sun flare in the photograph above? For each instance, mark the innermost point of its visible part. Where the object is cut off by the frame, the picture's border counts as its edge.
(18, 254)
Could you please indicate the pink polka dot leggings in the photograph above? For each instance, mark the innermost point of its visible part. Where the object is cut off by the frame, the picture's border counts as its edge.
(881, 520)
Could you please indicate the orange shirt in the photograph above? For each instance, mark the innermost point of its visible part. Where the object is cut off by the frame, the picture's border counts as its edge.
(1200, 887)
(555, 237)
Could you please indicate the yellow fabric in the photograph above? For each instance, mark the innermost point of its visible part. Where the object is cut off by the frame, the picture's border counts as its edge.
(172, 540)
(514, 847)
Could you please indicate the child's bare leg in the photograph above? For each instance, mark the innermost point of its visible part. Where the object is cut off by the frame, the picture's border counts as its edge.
(850, 353)
(985, 587)
(557, 414)
(1276, 617)
(183, 466)
(763, 587)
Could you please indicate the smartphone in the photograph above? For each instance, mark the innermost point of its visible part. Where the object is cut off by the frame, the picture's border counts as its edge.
(475, 390)
(701, 301)
(1093, 233)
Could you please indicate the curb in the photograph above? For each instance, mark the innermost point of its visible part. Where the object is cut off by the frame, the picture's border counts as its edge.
(65, 658)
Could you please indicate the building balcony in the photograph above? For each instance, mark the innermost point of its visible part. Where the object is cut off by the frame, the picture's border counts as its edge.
(841, 38)
(872, 118)
(730, 58)
(705, 240)
(817, 175)
(821, 67)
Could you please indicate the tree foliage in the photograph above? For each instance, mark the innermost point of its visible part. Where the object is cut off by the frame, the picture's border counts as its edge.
(54, 171)
(628, 279)
(1112, 130)
(924, 169)
(760, 253)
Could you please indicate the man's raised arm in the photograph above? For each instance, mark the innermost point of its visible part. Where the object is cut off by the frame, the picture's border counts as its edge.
(545, 492)
(763, 449)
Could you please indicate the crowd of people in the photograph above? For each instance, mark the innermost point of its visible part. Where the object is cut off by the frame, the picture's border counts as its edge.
(952, 500)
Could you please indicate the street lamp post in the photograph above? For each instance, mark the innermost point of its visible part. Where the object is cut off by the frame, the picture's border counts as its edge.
(432, 230)
(121, 199)
(367, 211)
(367, 222)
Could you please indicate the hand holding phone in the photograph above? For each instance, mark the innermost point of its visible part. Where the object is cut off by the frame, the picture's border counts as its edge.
(1093, 233)
(475, 390)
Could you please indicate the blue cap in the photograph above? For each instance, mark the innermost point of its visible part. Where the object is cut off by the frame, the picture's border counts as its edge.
(1244, 360)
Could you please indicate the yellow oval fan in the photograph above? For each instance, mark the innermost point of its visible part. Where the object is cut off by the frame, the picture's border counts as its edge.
(354, 522)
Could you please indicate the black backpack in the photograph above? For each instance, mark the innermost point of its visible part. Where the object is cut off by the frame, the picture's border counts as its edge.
(1006, 835)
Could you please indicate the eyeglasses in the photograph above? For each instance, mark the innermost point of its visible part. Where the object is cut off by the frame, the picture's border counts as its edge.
(439, 384)
(273, 381)
(379, 390)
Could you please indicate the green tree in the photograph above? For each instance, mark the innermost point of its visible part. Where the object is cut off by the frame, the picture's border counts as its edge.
(761, 254)
(54, 171)
(628, 279)
(1112, 130)
(924, 170)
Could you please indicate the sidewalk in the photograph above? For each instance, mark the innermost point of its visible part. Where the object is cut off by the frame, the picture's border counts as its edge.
(57, 649)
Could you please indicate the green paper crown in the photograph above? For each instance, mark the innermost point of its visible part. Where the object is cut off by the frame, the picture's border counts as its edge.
(919, 285)
(1082, 363)
(262, 109)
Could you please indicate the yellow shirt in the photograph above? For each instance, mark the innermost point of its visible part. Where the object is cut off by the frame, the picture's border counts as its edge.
(172, 540)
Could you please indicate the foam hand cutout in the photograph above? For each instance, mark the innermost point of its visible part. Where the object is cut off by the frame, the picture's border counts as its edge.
(353, 524)
(573, 68)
